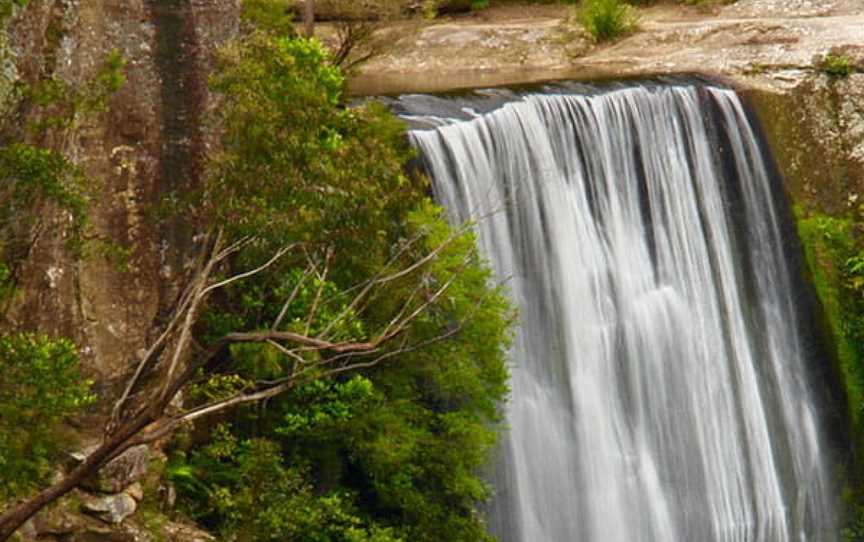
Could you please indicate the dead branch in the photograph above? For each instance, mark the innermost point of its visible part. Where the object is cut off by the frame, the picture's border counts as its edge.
(169, 358)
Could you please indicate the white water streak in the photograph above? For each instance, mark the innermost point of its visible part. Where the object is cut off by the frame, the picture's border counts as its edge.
(658, 378)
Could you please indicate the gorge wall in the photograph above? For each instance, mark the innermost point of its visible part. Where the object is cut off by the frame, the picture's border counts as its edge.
(147, 145)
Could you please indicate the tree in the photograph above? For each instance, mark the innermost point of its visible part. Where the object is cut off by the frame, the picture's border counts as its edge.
(316, 256)
(362, 30)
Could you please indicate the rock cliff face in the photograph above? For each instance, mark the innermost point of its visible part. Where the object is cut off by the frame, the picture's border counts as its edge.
(150, 143)
(145, 147)
(816, 130)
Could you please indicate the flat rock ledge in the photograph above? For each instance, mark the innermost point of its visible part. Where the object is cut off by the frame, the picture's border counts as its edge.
(767, 44)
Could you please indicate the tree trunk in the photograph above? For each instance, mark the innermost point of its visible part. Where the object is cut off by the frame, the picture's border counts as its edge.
(309, 18)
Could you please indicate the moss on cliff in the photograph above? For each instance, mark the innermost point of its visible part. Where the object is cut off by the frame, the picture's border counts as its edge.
(834, 249)
(831, 248)
(801, 128)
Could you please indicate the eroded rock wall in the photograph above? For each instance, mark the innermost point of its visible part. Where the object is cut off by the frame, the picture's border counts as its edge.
(816, 131)
(147, 146)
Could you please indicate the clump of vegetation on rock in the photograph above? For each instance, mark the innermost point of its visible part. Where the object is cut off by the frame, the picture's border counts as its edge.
(837, 66)
(607, 19)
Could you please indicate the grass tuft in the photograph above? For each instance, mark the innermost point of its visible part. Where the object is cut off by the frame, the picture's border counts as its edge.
(607, 19)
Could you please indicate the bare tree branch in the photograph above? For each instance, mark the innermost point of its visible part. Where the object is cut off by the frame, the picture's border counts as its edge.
(278, 321)
(322, 280)
(279, 253)
(171, 350)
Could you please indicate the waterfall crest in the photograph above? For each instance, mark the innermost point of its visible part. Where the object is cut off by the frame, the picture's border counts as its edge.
(659, 384)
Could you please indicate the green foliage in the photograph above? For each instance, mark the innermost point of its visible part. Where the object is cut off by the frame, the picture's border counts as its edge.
(607, 19)
(30, 174)
(7, 8)
(269, 15)
(854, 530)
(837, 66)
(322, 406)
(63, 106)
(432, 8)
(836, 260)
(381, 451)
(7, 282)
(246, 489)
(39, 385)
(283, 125)
(31, 177)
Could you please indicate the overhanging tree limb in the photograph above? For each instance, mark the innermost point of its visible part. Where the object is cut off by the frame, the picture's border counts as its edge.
(168, 357)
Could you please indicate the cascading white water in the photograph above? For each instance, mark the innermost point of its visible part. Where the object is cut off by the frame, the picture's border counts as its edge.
(659, 390)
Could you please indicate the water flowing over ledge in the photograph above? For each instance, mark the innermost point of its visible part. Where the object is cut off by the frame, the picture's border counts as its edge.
(659, 384)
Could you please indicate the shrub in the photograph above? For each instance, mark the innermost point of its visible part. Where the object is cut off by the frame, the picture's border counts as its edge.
(607, 19)
(837, 66)
(39, 385)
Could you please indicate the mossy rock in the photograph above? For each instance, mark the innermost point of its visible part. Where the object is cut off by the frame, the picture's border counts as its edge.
(810, 137)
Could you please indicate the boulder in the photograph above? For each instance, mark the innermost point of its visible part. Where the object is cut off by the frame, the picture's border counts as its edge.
(136, 491)
(111, 508)
(121, 472)
(186, 533)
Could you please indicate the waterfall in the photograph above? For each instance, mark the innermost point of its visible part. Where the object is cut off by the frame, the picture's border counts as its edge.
(659, 373)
